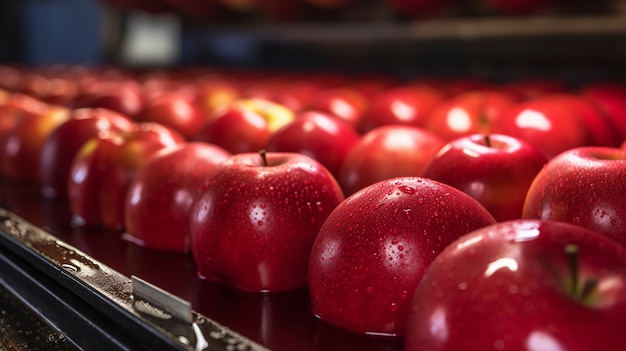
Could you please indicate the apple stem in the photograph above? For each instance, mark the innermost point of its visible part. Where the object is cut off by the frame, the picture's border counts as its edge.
(571, 251)
(263, 157)
(487, 140)
(588, 288)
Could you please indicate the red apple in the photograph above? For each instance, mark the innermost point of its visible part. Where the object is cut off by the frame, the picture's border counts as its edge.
(176, 111)
(63, 143)
(344, 102)
(387, 152)
(494, 169)
(23, 144)
(245, 125)
(548, 122)
(610, 99)
(123, 96)
(104, 167)
(468, 113)
(522, 285)
(408, 104)
(371, 253)
(255, 221)
(318, 135)
(160, 196)
(584, 186)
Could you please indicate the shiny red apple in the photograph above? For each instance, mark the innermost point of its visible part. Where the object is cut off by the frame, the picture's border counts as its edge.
(63, 143)
(175, 110)
(160, 196)
(104, 167)
(494, 169)
(584, 186)
(387, 152)
(345, 102)
(373, 249)
(522, 285)
(254, 223)
(319, 135)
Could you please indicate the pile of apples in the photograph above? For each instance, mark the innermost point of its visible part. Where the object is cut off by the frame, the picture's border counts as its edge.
(457, 213)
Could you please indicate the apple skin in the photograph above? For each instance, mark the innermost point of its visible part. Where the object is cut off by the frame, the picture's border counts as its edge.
(176, 111)
(508, 287)
(409, 104)
(63, 143)
(125, 97)
(373, 249)
(319, 135)
(583, 186)
(160, 196)
(468, 113)
(23, 144)
(498, 175)
(345, 102)
(245, 125)
(252, 227)
(610, 99)
(387, 152)
(104, 167)
(548, 122)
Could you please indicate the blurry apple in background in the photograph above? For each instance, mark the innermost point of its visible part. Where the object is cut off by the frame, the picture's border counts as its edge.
(531, 88)
(63, 143)
(319, 135)
(371, 253)
(245, 125)
(409, 104)
(176, 111)
(159, 200)
(124, 96)
(344, 102)
(215, 92)
(104, 167)
(387, 152)
(610, 99)
(457, 85)
(548, 122)
(23, 144)
(468, 113)
(495, 169)
(522, 285)
(584, 186)
(254, 223)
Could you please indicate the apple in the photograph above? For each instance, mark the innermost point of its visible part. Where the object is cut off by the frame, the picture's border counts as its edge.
(176, 111)
(407, 104)
(548, 122)
(253, 225)
(495, 169)
(522, 285)
(318, 135)
(104, 167)
(160, 196)
(387, 152)
(63, 143)
(371, 252)
(124, 96)
(610, 98)
(23, 144)
(345, 102)
(245, 125)
(584, 186)
(468, 113)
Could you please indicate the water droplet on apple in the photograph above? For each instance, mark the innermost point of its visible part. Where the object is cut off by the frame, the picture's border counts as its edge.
(262, 205)
(260, 223)
(393, 307)
(407, 189)
(369, 289)
(400, 248)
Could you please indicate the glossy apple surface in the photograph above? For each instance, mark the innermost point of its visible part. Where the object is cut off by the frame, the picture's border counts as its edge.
(548, 122)
(319, 135)
(387, 152)
(176, 111)
(468, 113)
(496, 170)
(520, 285)
(254, 223)
(160, 196)
(61, 146)
(584, 186)
(411, 105)
(245, 125)
(104, 167)
(344, 102)
(373, 249)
